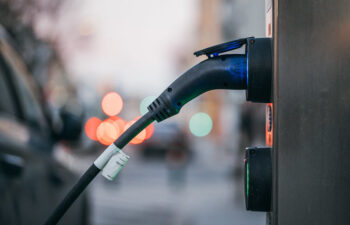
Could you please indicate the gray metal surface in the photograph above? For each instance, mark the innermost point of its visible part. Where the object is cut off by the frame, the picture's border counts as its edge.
(312, 112)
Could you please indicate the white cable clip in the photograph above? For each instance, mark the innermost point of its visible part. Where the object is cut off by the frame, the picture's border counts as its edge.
(102, 160)
(115, 165)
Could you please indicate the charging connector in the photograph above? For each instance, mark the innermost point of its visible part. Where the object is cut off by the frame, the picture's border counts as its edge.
(220, 72)
(230, 71)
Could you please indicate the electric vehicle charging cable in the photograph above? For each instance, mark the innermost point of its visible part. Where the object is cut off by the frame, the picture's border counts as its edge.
(97, 166)
(217, 72)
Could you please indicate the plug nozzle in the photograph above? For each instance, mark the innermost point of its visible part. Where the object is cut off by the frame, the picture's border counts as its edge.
(220, 72)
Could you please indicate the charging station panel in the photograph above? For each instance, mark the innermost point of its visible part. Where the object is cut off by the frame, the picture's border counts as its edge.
(311, 159)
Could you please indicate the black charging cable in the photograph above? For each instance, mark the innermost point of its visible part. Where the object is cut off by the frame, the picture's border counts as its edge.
(93, 170)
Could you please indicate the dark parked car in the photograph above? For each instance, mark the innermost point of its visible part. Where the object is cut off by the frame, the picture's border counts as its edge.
(32, 182)
(166, 137)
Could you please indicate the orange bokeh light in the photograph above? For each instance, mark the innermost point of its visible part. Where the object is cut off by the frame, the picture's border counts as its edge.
(91, 127)
(107, 132)
(117, 121)
(112, 104)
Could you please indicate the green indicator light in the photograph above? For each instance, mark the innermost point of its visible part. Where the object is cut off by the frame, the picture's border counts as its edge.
(145, 103)
(247, 179)
(201, 124)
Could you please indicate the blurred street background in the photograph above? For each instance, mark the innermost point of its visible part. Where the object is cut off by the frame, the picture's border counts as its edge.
(71, 70)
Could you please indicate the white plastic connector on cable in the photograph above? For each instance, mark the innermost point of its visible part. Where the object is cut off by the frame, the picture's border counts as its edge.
(115, 165)
(107, 154)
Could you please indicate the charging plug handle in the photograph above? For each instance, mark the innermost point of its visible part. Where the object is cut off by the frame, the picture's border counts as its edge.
(221, 72)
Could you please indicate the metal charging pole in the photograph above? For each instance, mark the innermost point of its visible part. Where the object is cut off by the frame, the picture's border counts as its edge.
(311, 160)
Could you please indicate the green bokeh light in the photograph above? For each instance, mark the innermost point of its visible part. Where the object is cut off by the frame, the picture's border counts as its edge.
(145, 103)
(201, 124)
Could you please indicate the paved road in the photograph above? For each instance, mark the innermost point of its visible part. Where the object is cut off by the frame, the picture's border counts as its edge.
(143, 195)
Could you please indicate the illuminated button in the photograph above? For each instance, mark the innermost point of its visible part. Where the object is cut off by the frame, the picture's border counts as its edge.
(269, 118)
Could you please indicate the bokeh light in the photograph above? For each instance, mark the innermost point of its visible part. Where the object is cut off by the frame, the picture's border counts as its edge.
(201, 124)
(138, 139)
(112, 104)
(91, 127)
(118, 122)
(107, 133)
(145, 103)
